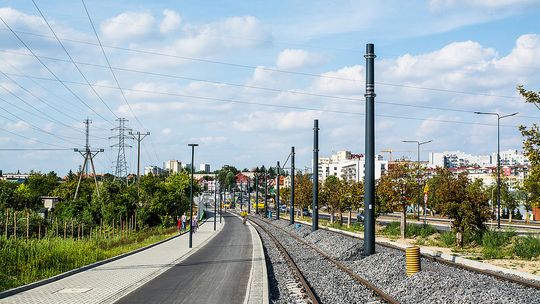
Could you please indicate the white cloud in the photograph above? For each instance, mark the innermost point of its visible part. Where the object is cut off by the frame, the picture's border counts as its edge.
(17, 126)
(347, 80)
(438, 5)
(262, 120)
(128, 25)
(295, 58)
(171, 21)
(206, 140)
(166, 131)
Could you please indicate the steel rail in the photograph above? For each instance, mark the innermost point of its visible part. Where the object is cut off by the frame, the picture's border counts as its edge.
(380, 293)
(306, 286)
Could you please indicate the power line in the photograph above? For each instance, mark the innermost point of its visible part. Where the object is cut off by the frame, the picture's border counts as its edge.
(148, 52)
(71, 58)
(36, 149)
(51, 72)
(32, 139)
(337, 98)
(225, 100)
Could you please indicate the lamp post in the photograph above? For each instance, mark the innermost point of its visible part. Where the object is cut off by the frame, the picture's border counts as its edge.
(256, 194)
(419, 143)
(277, 192)
(265, 193)
(215, 199)
(499, 117)
(191, 195)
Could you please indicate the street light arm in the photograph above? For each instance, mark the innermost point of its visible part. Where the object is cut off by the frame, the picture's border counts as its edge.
(508, 115)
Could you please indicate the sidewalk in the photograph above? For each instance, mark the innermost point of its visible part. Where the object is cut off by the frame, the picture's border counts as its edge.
(109, 282)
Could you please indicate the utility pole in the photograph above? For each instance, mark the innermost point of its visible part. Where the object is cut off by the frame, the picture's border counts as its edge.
(315, 204)
(191, 195)
(369, 179)
(265, 193)
(249, 197)
(121, 170)
(88, 156)
(215, 199)
(256, 194)
(291, 209)
(277, 191)
(138, 138)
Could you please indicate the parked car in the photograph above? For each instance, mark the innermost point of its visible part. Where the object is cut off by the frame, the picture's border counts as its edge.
(283, 208)
(360, 217)
(305, 212)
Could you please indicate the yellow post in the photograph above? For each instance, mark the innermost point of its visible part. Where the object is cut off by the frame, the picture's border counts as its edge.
(412, 260)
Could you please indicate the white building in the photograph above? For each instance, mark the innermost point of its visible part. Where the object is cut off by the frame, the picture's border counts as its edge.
(348, 166)
(457, 159)
(205, 168)
(155, 170)
(511, 158)
(173, 166)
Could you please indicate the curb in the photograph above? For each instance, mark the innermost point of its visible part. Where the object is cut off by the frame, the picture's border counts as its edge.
(16, 290)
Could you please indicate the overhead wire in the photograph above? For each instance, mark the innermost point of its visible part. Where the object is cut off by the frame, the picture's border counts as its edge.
(32, 139)
(295, 92)
(246, 66)
(71, 59)
(51, 72)
(113, 74)
(226, 100)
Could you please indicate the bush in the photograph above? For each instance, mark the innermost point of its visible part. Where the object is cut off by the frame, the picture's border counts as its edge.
(527, 247)
(448, 238)
(420, 230)
(493, 243)
(391, 229)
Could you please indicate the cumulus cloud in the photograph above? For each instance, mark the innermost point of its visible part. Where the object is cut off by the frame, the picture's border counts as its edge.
(295, 58)
(171, 21)
(206, 140)
(262, 120)
(166, 131)
(128, 25)
(17, 126)
(347, 80)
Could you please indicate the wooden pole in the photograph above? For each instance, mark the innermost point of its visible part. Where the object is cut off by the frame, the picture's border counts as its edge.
(113, 227)
(82, 230)
(39, 230)
(71, 228)
(65, 229)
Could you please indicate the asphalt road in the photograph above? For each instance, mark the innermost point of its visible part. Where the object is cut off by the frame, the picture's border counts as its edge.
(217, 273)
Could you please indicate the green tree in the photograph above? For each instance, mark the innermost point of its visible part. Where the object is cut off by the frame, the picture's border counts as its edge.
(330, 195)
(7, 194)
(303, 192)
(396, 190)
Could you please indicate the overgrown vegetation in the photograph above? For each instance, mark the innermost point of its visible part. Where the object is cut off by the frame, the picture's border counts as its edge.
(24, 261)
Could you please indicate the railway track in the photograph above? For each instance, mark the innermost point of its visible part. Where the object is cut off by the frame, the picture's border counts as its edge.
(498, 275)
(377, 292)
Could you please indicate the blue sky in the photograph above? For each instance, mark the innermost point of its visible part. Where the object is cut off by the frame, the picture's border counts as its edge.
(245, 79)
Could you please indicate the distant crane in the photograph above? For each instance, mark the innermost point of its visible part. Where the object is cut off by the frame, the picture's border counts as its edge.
(390, 151)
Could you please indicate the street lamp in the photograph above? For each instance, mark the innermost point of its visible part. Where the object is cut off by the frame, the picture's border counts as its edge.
(191, 195)
(419, 143)
(499, 117)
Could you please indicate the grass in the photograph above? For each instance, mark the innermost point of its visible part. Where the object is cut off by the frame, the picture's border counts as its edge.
(527, 247)
(412, 230)
(26, 261)
(495, 244)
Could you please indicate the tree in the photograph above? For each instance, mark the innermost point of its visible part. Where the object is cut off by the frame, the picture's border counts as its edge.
(330, 195)
(397, 190)
(303, 191)
(508, 198)
(531, 147)
(7, 194)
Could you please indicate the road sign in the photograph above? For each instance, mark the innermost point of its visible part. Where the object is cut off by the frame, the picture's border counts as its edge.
(426, 189)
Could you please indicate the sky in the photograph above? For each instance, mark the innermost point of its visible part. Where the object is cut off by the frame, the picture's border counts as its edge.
(246, 79)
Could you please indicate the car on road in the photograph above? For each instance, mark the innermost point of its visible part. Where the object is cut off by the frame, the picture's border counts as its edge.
(360, 217)
(305, 212)
(283, 208)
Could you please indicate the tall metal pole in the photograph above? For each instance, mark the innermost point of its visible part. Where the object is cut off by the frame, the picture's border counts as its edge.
(220, 201)
(315, 203)
(498, 175)
(256, 194)
(419, 187)
(369, 178)
(291, 209)
(138, 139)
(191, 195)
(249, 197)
(265, 193)
(277, 192)
(215, 199)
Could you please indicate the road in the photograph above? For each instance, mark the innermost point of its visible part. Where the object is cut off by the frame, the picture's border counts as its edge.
(217, 273)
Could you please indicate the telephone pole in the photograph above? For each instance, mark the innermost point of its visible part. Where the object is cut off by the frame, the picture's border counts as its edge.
(88, 156)
(121, 170)
(138, 137)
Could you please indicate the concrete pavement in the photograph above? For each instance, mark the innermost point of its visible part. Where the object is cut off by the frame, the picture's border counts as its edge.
(218, 273)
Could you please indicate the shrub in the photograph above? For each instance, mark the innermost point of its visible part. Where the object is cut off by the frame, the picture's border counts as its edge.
(527, 247)
(420, 230)
(391, 229)
(493, 243)
(448, 238)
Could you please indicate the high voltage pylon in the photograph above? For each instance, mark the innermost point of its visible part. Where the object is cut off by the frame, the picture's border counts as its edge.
(88, 158)
(137, 136)
(121, 170)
